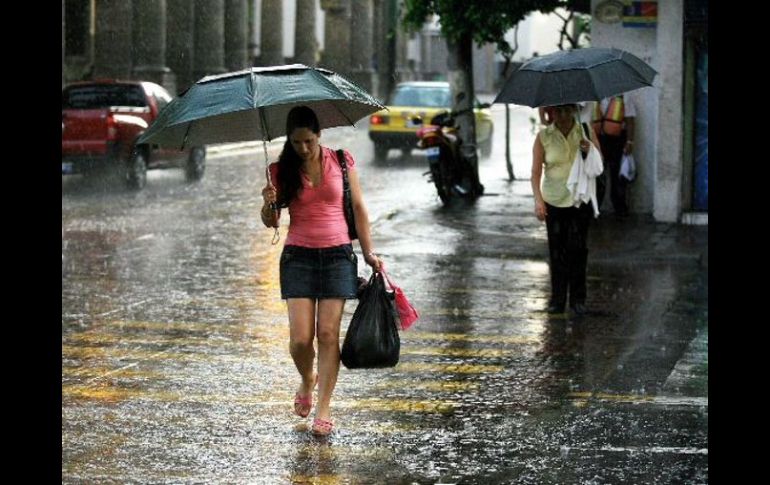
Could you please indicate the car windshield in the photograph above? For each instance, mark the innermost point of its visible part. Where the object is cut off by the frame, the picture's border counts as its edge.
(429, 97)
(93, 96)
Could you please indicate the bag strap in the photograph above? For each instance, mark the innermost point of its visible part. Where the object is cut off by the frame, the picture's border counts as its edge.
(607, 109)
(387, 278)
(344, 166)
(347, 198)
(585, 130)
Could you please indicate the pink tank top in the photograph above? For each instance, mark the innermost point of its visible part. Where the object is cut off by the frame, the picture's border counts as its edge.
(316, 217)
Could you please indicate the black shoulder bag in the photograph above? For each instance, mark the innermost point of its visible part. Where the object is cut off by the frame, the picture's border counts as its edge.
(347, 200)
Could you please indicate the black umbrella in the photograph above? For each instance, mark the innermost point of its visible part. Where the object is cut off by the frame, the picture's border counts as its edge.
(574, 76)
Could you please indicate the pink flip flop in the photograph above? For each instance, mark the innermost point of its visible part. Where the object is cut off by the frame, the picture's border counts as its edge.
(303, 404)
(322, 427)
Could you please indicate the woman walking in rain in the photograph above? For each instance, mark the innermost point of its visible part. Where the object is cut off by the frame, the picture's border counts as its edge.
(318, 266)
(554, 152)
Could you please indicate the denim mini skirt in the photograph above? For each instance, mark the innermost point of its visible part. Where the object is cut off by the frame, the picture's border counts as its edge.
(319, 272)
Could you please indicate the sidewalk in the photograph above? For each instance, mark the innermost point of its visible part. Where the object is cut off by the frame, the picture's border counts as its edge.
(641, 240)
(628, 378)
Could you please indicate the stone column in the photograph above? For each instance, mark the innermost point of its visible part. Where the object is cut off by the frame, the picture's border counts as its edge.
(113, 39)
(209, 56)
(362, 51)
(236, 35)
(305, 43)
(149, 43)
(667, 206)
(337, 28)
(271, 33)
(62, 43)
(180, 40)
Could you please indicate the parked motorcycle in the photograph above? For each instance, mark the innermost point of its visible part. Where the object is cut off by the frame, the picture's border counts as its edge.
(451, 161)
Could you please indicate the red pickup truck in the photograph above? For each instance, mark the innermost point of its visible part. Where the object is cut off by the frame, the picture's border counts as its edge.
(101, 121)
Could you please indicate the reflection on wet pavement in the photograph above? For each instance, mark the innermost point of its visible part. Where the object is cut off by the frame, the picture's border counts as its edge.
(175, 363)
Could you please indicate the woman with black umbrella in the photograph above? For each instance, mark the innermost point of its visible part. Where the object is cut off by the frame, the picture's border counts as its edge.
(554, 153)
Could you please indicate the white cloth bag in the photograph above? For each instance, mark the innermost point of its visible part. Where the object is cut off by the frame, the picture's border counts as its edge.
(582, 178)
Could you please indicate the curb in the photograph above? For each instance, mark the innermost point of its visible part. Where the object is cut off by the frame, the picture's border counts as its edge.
(226, 148)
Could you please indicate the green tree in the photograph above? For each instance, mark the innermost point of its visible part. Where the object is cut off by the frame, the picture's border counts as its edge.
(576, 26)
(484, 22)
(465, 22)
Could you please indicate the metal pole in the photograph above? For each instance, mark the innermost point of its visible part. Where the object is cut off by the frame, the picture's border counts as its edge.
(273, 205)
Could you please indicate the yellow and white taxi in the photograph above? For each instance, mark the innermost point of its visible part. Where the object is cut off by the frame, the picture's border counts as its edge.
(395, 128)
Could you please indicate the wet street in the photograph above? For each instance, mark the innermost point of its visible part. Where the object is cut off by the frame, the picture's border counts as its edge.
(175, 362)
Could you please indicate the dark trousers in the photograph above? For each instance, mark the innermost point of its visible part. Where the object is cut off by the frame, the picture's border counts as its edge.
(612, 153)
(567, 244)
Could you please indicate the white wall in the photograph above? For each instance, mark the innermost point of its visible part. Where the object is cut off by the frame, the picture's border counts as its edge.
(289, 26)
(539, 33)
(320, 21)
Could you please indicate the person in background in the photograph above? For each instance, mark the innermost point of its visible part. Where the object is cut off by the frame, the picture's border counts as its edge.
(318, 267)
(546, 115)
(614, 121)
(554, 153)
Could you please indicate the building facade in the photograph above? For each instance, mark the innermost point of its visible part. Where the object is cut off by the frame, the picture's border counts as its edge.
(176, 42)
(671, 140)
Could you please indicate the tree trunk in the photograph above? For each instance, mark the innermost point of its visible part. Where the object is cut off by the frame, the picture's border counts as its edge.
(507, 72)
(508, 164)
(460, 63)
(393, 16)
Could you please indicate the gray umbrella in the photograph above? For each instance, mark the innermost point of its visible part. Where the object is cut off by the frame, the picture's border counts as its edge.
(574, 76)
(253, 104)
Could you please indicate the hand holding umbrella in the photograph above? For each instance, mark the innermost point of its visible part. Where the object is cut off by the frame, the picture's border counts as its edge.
(270, 196)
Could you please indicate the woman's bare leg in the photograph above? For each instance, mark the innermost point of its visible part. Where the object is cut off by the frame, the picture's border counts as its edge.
(301, 336)
(329, 316)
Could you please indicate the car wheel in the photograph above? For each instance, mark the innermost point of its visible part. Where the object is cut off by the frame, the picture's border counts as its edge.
(196, 164)
(136, 170)
(380, 151)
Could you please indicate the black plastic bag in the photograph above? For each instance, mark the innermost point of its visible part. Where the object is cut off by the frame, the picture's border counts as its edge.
(372, 339)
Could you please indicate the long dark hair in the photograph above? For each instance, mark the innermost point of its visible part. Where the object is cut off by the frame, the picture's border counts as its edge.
(289, 163)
